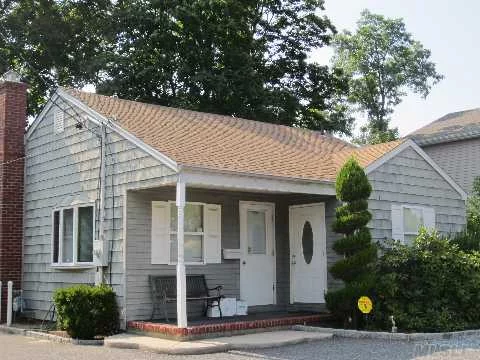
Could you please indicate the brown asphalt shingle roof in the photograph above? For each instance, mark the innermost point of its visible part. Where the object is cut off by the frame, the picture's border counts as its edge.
(366, 154)
(226, 143)
(451, 127)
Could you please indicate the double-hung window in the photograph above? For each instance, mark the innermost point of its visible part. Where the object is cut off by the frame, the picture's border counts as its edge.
(193, 233)
(73, 233)
(408, 219)
(202, 233)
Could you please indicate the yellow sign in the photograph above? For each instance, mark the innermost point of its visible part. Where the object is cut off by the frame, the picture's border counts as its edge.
(365, 304)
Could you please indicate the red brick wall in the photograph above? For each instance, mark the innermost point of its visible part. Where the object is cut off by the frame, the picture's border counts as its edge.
(13, 105)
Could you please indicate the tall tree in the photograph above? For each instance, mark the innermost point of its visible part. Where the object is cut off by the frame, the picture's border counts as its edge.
(243, 58)
(53, 43)
(383, 61)
(246, 58)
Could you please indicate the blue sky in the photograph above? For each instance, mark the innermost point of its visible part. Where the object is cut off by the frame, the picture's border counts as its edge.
(450, 29)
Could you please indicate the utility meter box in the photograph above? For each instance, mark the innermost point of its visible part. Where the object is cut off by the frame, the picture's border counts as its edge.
(100, 253)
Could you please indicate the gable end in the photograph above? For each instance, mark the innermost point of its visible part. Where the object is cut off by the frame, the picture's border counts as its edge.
(411, 144)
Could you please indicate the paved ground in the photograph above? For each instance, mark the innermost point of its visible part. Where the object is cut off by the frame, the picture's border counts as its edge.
(261, 340)
(15, 347)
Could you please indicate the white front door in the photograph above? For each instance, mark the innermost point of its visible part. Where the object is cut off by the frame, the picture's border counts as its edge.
(257, 263)
(308, 261)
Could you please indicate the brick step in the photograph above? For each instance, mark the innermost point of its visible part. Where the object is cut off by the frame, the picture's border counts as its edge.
(204, 330)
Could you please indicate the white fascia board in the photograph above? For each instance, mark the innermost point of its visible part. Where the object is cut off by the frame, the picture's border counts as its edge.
(99, 119)
(217, 179)
(410, 143)
(40, 116)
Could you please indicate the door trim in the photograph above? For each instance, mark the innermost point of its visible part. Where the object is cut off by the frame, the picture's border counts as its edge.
(245, 205)
(291, 244)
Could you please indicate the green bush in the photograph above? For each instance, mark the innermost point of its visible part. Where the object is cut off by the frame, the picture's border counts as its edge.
(468, 239)
(430, 286)
(358, 253)
(86, 311)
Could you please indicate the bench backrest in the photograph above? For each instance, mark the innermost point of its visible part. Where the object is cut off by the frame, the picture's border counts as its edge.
(196, 286)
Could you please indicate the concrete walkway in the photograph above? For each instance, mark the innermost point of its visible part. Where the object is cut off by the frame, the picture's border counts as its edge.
(221, 344)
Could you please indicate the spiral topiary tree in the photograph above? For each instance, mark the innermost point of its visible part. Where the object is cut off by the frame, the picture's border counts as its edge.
(358, 252)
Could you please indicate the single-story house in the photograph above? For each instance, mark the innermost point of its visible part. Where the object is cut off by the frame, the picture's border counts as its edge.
(453, 142)
(118, 190)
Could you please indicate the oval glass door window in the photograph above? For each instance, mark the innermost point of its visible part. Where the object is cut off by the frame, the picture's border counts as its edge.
(307, 242)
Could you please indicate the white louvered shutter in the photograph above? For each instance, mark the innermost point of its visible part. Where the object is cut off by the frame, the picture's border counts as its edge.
(160, 232)
(212, 240)
(429, 218)
(397, 222)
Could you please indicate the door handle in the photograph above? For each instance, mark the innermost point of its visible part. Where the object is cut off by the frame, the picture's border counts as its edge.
(244, 262)
(294, 260)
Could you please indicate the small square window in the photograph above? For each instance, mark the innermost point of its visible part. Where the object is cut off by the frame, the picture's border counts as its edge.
(412, 219)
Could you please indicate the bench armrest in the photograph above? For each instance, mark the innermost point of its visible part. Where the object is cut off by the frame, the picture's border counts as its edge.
(218, 288)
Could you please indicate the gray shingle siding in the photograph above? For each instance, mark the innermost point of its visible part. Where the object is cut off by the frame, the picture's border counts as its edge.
(408, 179)
(459, 159)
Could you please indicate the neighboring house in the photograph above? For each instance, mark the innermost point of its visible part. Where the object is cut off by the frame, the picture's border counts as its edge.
(453, 142)
(109, 182)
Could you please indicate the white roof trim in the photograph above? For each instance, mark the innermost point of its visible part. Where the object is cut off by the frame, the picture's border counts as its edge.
(99, 119)
(218, 179)
(410, 143)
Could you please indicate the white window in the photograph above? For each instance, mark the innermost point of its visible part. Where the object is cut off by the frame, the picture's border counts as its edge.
(408, 219)
(202, 229)
(73, 233)
(193, 233)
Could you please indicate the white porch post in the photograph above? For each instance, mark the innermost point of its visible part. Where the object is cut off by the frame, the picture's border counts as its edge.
(181, 277)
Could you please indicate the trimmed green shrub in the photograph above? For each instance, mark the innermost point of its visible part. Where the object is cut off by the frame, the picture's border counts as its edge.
(469, 238)
(356, 268)
(86, 311)
(431, 285)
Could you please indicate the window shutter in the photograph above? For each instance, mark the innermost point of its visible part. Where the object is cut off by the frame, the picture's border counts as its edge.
(397, 222)
(429, 218)
(160, 249)
(212, 240)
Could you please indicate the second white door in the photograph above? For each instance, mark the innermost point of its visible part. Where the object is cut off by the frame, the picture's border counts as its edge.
(257, 263)
(308, 261)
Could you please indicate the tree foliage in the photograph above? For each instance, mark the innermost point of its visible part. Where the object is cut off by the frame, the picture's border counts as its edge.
(246, 58)
(469, 238)
(358, 253)
(53, 43)
(384, 61)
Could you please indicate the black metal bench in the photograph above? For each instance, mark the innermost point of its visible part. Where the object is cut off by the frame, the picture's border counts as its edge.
(164, 290)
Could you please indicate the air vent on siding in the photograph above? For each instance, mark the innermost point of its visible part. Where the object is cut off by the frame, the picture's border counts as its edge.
(58, 123)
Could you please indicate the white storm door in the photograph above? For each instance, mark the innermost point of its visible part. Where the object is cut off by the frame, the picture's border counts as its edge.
(257, 263)
(308, 261)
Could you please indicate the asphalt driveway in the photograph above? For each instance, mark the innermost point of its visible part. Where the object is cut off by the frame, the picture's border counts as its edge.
(16, 347)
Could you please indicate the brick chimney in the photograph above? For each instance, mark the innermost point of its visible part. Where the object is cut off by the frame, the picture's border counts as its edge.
(13, 119)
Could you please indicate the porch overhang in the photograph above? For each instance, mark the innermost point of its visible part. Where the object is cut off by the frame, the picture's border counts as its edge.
(230, 180)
